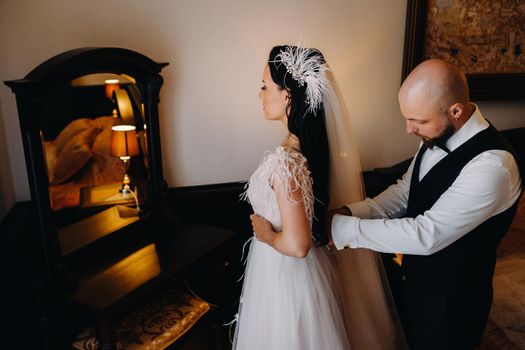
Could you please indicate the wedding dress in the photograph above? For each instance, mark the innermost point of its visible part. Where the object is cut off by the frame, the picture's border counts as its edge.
(321, 301)
(286, 302)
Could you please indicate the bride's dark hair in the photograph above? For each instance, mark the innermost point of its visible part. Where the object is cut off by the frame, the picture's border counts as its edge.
(309, 127)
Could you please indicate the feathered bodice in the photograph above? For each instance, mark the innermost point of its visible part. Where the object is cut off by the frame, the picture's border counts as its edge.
(290, 169)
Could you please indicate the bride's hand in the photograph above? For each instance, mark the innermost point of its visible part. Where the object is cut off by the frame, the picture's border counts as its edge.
(262, 228)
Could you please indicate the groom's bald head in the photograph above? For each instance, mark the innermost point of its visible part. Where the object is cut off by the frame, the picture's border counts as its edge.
(439, 83)
(434, 99)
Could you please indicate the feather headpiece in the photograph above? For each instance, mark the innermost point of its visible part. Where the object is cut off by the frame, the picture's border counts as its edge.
(306, 66)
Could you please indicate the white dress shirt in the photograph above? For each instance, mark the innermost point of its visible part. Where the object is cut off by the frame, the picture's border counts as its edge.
(488, 185)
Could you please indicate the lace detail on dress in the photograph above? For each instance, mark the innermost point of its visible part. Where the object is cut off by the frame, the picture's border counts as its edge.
(288, 168)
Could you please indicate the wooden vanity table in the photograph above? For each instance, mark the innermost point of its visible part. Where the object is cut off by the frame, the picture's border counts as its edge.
(116, 285)
(101, 259)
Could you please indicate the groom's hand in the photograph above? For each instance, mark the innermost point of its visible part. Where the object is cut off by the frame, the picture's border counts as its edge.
(329, 217)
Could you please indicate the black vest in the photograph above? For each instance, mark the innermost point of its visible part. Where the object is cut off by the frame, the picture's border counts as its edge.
(452, 289)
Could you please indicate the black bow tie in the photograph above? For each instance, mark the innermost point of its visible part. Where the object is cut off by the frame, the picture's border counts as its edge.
(442, 146)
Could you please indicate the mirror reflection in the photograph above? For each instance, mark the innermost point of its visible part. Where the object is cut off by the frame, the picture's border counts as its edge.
(95, 148)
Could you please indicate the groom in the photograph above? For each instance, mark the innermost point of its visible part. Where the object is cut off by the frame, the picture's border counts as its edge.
(446, 214)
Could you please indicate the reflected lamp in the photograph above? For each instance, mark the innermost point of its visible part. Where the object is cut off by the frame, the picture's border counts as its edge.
(111, 85)
(124, 144)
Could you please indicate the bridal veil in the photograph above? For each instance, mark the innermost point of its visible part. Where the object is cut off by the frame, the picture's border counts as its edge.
(370, 315)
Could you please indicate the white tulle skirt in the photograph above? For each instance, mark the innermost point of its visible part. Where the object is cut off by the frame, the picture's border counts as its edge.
(290, 303)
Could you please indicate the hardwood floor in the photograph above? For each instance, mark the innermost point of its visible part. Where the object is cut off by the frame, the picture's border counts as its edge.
(497, 331)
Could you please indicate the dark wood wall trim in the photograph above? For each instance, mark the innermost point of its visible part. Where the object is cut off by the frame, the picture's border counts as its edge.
(220, 204)
(215, 204)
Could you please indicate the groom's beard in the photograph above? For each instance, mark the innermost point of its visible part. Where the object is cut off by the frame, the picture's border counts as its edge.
(441, 139)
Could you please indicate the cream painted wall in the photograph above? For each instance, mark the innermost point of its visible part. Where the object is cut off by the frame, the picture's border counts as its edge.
(212, 126)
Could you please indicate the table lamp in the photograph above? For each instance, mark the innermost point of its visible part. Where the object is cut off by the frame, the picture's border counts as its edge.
(124, 144)
(111, 85)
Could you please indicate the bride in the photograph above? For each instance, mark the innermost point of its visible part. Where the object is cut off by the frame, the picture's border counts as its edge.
(296, 294)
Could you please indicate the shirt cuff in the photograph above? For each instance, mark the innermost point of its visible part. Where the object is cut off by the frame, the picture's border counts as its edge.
(360, 210)
(344, 231)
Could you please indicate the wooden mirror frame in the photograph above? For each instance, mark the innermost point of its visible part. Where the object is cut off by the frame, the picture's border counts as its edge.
(482, 86)
(30, 97)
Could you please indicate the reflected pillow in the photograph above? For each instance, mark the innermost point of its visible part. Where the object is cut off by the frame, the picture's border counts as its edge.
(72, 129)
(74, 155)
(103, 122)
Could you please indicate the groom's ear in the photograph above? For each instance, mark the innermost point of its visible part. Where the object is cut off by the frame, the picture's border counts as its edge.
(456, 110)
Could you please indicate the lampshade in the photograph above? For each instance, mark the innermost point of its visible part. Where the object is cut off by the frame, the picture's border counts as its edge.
(111, 85)
(124, 141)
